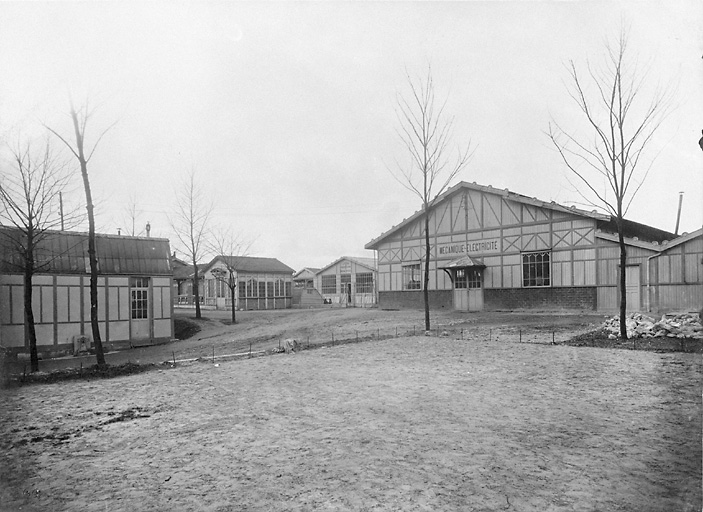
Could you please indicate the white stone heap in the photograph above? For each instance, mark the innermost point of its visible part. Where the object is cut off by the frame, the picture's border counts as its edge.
(685, 325)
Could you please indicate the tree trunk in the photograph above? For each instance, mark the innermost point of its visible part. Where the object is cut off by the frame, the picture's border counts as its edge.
(234, 308)
(623, 286)
(93, 258)
(30, 330)
(92, 253)
(426, 293)
(196, 291)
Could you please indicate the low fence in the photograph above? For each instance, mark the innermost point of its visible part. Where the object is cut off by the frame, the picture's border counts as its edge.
(221, 349)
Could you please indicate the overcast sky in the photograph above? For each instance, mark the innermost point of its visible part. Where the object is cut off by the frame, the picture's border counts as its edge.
(286, 111)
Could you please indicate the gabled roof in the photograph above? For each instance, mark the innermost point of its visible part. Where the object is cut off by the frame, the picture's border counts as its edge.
(682, 239)
(65, 252)
(312, 270)
(181, 272)
(603, 219)
(655, 245)
(369, 263)
(252, 264)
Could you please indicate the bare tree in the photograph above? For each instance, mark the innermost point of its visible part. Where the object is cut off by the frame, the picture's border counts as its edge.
(425, 130)
(608, 158)
(30, 196)
(231, 247)
(80, 117)
(130, 215)
(190, 223)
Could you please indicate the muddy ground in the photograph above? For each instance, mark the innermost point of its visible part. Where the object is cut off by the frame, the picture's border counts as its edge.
(472, 421)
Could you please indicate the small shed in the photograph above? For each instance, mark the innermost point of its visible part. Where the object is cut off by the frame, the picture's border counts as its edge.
(134, 291)
(348, 282)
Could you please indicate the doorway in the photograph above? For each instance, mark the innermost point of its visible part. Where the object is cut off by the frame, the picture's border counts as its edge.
(632, 287)
(468, 289)
(140, 326)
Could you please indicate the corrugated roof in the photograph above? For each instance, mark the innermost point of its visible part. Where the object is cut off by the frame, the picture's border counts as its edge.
(252, 264)
(63, 252)
(369, 263)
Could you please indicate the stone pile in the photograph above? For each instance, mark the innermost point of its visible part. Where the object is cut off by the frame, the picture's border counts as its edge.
(686, 325)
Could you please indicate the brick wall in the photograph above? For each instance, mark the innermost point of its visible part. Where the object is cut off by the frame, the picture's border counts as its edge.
(412, 299)
(540, 298)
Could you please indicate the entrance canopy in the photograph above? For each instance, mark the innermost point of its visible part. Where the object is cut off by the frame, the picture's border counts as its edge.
(464, 262)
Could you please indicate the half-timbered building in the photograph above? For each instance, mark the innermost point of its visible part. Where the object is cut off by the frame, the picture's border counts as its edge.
(494, 249)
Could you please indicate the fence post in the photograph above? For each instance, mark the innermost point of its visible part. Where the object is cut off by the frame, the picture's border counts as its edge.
(462, 334)
(250, 350)
(490, 334)
(213, 354)
(520, 335)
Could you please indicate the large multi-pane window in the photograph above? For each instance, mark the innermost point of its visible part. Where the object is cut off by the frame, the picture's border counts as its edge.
(364, 282)
(329, 284)
(252, 288)
(411, 277)
(242, 289)
(535, 269)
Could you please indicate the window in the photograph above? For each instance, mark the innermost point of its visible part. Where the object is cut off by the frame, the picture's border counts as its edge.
(262, 289)
(411, 277)
(345, 281)
(473, 279)
(329, 284)
(460, 279)
(535, 269)
(269, 289)
(140, 296)
(364, 282)
(252, 288)
(242, 289)
(279, 288)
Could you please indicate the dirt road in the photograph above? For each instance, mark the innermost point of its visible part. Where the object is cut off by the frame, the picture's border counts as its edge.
(403, 424)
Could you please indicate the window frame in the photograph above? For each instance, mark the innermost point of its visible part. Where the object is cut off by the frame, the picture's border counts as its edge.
(534, 264)
(329, 287)
(409, 273)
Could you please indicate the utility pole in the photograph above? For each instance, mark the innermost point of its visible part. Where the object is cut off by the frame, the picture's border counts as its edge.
(61, 209)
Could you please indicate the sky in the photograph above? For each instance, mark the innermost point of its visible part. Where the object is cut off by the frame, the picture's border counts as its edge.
(285, 113)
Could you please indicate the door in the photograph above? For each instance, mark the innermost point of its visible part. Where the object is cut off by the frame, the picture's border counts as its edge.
(348, 292)
(474, 285)
(139, 318)
(632, 287)
(461, 292)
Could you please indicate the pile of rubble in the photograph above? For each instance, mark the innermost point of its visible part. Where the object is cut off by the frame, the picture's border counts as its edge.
(686, 325)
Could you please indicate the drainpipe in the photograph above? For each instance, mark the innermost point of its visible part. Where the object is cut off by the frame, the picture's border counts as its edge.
(649, 286)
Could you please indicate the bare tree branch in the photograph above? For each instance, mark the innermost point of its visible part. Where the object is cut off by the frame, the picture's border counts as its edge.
(622, 127)
(425, 131)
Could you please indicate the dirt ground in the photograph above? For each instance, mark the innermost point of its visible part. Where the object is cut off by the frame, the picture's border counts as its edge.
(475, 421)
(258, 331)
